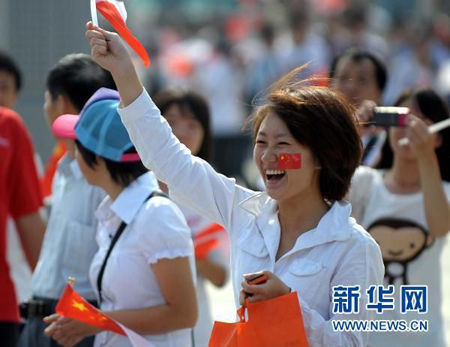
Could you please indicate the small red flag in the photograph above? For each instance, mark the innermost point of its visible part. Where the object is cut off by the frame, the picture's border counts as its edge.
(289, 161)
(207, 240)
(113, 16)
(72, 305)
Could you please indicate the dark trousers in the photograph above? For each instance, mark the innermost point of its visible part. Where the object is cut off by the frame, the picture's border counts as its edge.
(33, 335)
(9, 334)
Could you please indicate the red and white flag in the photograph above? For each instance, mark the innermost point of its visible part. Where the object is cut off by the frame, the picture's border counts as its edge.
(207, 240)
(115, 13)
(72, 305)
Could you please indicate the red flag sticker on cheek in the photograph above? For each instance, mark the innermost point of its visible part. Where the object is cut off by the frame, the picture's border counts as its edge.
(289, 161)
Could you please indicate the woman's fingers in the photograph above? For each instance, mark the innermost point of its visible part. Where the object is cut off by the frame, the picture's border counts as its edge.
(242, 297)
(91, 34)
(50, 319)
(252, 288)
(51, 329)
(365, 111)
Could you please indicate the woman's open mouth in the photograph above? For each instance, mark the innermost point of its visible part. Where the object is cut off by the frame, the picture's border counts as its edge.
(274, 176)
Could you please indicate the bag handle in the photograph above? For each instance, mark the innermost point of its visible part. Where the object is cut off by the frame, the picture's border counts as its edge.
(119, 232)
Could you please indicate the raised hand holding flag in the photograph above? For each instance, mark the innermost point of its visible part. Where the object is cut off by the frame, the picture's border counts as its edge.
(115, 13)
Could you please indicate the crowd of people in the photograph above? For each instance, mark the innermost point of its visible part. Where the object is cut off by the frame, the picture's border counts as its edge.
(142, 212)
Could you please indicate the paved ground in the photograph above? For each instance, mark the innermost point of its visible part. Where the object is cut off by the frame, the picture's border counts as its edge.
(224, 310)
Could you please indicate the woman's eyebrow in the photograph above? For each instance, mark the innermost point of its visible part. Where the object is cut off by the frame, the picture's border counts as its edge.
(262, 133)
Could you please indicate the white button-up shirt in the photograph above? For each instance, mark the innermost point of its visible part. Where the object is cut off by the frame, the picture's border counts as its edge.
(69, 241)
(156, 229)
(337, 252)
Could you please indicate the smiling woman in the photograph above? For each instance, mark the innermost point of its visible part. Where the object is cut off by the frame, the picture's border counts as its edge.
(315, 122)
(299, 232)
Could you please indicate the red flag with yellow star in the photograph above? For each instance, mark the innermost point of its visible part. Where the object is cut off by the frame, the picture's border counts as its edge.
(289, 161)
(72, 305)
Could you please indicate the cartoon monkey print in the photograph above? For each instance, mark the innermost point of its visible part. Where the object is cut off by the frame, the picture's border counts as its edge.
(401, 241)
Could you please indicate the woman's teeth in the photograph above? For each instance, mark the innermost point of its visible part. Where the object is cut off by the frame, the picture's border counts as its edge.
(275, 172)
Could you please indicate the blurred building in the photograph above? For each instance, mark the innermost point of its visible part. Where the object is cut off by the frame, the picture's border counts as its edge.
(37, 34)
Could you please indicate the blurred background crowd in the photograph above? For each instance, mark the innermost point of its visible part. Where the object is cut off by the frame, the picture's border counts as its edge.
(230, 51)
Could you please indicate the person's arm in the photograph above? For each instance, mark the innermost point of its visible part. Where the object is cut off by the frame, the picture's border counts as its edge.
(31, 229)
(192, 181)
(178, 312)
(437, 208)
(25, 198)
(212, 271)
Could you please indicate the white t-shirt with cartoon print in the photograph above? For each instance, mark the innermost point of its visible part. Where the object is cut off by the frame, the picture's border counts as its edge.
(411, 256)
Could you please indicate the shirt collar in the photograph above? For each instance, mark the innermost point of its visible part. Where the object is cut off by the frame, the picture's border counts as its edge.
(333, 226)
(130, 200)
(64, 165)
(255, 204)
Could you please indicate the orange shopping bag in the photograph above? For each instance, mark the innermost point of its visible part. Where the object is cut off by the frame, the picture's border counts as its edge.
(275, 322)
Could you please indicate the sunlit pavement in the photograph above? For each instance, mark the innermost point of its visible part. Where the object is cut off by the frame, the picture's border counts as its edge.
(223, 304)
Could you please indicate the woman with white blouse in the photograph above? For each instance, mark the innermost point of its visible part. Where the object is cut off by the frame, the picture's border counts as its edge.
(299, 231)
(143, 271)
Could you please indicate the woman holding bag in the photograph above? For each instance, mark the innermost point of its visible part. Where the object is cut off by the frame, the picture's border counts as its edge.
(299, 230)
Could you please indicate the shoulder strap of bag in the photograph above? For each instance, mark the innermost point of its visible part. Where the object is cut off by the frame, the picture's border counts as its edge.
(119, 232)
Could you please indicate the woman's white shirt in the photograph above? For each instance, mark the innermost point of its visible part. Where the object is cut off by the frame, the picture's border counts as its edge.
(337, 252)
(156, 229)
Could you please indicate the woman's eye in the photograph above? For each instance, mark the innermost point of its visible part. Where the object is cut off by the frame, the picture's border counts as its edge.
(260, 142)
(283, 143)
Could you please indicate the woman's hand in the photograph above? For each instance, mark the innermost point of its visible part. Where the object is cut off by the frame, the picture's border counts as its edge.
(67, 332)
(422, 142)
(108, 50)
(363, 114)
(271, 288)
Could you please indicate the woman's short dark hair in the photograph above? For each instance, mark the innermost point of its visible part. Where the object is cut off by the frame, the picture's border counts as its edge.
(194, 104)
(123, 173)
(434, 108)
(322, 120)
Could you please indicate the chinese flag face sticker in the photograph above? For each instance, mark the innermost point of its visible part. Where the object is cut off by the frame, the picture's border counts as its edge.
(289, 161)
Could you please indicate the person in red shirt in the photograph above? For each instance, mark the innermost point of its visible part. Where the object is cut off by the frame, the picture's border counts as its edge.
(20, 198)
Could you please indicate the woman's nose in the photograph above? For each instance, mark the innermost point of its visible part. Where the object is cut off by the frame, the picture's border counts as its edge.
(269, 156)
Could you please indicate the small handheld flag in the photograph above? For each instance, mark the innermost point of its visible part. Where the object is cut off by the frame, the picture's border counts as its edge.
(115, 13)
(72, 305)
(207, 240)
(289, 161)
